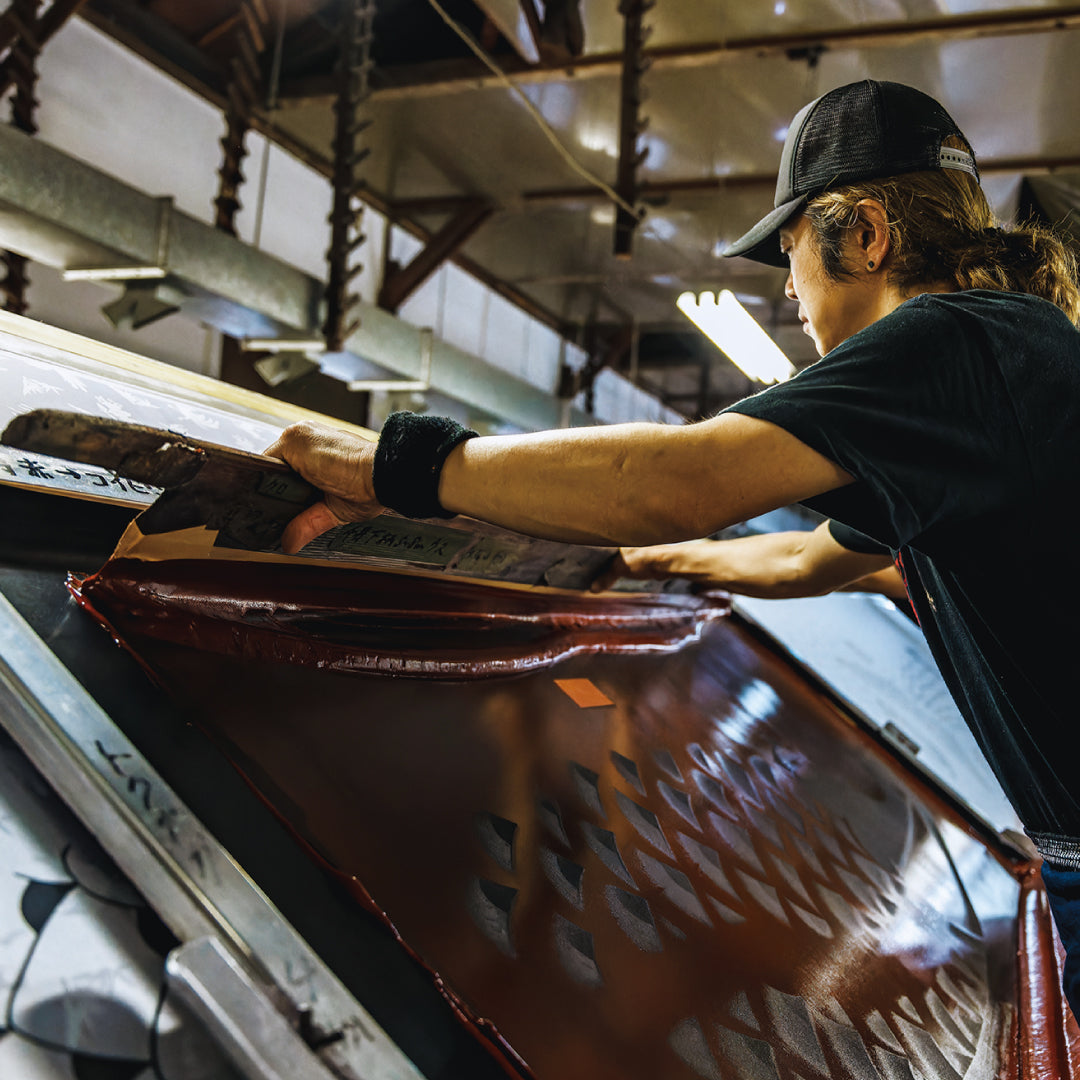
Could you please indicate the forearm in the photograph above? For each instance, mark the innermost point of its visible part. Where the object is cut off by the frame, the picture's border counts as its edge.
(588, 485)
(769, 565)
(888, 582)
(632, 484)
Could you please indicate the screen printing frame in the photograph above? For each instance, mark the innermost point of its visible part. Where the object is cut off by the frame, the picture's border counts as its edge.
(115, 788)
(187, 876)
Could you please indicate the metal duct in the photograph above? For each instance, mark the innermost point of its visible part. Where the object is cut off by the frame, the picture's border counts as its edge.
(63, 213)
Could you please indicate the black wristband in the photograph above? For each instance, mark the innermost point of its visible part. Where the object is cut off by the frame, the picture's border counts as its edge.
(409, 460)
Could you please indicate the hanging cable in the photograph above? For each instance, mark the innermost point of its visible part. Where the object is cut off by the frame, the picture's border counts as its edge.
(271, 105)
(544, 126)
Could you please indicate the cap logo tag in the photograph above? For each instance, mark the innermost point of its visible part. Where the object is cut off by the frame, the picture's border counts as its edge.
(957, 159)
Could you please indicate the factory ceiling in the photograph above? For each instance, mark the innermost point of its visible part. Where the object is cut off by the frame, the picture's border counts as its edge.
(595, 160)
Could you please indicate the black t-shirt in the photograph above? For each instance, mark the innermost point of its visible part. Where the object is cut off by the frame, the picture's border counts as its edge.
(959, 417)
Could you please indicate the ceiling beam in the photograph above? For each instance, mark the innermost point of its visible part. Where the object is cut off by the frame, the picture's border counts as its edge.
(532, 20)
(161, 44)
(400, 282)
(218, 31)
(63, 213)
(658, 191)
(631, 124)
(455, 76)
(648, 191)
(44, 27)
(36, 35)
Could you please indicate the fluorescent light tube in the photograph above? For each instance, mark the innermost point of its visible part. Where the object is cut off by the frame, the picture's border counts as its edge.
(733, 330)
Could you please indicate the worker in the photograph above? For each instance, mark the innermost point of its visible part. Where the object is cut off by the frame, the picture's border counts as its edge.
(939, 432)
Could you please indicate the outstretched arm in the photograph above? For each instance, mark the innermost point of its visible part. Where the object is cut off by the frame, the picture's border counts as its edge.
(634, 483)
(770, 565)
(888, 582)
(622, 484)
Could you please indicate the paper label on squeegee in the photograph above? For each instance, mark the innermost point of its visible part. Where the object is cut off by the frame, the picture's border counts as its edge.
(468, 549)
(430, 545)
(420, 543)
(19, 468)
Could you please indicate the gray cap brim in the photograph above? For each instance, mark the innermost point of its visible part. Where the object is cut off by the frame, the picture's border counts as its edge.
(762, 242)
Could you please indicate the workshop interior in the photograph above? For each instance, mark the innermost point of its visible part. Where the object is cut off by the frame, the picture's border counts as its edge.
(415, 802)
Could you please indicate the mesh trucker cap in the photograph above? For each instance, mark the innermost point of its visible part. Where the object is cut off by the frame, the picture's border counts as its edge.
(857, 132)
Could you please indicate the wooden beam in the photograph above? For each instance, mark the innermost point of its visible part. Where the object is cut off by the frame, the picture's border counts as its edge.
(532, 20)
(652, 190)
(660, 190)
(43, 28)
(400, 283)
(631, 124)
(161, 44)
(505, 16)
(218, 31)
(445, 77)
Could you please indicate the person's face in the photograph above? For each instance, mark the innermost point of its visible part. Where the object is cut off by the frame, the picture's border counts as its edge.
(830, 311)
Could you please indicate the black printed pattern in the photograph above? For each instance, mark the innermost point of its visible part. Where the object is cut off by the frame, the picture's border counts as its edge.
(704, 840)
(81, 955)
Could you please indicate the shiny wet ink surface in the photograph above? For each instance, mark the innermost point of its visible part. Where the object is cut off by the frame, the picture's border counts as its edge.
(715, 874)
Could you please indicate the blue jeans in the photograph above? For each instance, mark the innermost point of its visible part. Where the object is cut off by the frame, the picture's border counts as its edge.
(1063, 892)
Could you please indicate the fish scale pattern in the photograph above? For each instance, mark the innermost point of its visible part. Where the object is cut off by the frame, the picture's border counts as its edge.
(696, 846)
